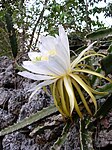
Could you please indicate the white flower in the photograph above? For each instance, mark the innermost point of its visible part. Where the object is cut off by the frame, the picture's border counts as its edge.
(52, 66)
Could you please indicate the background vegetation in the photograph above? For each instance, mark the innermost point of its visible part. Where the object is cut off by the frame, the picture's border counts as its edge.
(21, 22)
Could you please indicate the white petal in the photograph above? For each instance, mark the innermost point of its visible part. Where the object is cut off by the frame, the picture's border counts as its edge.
(47, 43)
(29, 75)
(60, 62)
(56, 64)
(38, 67)
(44, 67)
(61, 52)
(40, 85)
(64, 38)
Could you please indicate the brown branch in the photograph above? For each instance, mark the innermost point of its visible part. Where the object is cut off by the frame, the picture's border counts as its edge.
(37, 22)
(88, 24)
(37, 36)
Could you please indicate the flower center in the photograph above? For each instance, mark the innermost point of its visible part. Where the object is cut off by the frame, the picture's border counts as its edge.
(46, 55)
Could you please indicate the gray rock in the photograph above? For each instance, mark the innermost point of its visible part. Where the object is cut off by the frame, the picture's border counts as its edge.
(37, 102)
(6, 118)
(72, 141)
(19, 141)
(5, 62)
(16, 101)
(4, 96)
(104, 138)
(7, 73)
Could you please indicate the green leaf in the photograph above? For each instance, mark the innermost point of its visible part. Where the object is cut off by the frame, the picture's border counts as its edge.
(101, 112)
(106, 64)
(99, 34)
(57, 145)
(104, 88)
(110, 49)
(27, 121)
(105, 108)
(94, 78)
(40, 129)
(12, 34)
(85, 136)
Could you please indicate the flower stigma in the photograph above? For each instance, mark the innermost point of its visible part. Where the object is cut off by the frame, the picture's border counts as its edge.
(49, 53)
(45, 56)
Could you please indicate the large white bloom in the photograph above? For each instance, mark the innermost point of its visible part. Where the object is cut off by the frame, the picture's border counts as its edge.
(52, 66)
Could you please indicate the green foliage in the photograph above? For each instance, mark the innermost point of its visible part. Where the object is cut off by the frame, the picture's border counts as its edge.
(106, 64)
(12, 34)
(8, 29)
(27, 121)
(99, 34)
(86, 140)
(94, 79)
(106, 88)
(5, 48)
(40, 129)
(110, 49)
(60, 141)
(108, 10)
(105, 108)
(31, 19)
(71, 14)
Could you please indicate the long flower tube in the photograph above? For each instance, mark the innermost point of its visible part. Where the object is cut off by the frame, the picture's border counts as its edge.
(52, 67)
